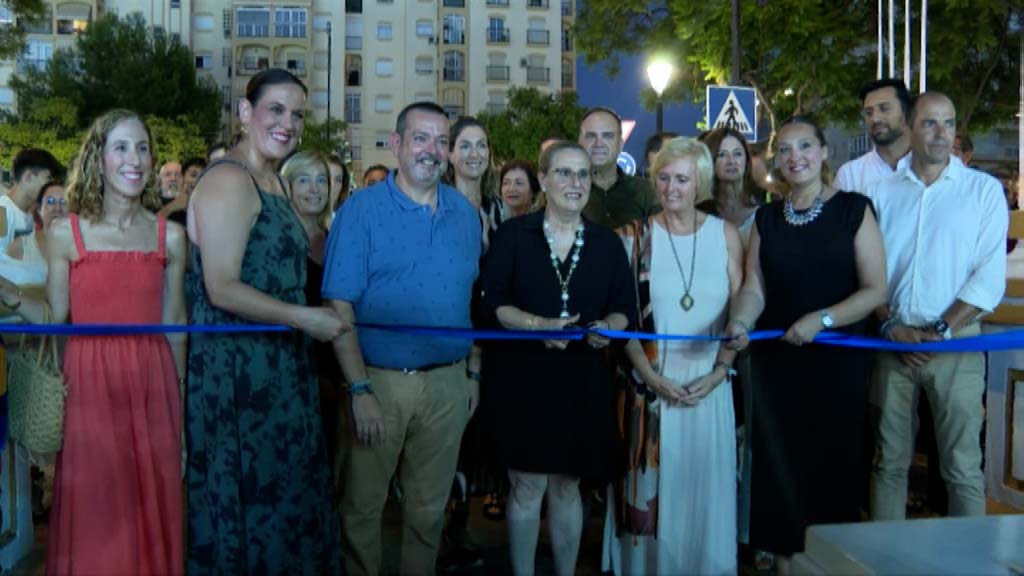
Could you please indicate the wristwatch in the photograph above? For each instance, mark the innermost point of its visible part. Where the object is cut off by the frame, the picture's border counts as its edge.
(826, 319)
(360, 387)
(941, 327)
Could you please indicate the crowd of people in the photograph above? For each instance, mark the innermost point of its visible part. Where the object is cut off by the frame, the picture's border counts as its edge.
(291, 443)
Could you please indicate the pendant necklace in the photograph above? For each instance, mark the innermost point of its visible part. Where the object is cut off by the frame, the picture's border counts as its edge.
(686, 301)
(575, 257)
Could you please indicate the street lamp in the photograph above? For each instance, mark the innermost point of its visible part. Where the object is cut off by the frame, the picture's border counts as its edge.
(659, 72)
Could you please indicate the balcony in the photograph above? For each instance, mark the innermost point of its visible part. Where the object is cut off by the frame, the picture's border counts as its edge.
(454, 74)
(566, 41)
(537, 3)
(496, 107)
(498, 3)
(567, 7)
(497, 74)
(450, 37)
(567, 79)
(454, 3)
(353, 42)
(497, 35)
(41, 26)
(252, 66)
(538, 74)
(538, 37)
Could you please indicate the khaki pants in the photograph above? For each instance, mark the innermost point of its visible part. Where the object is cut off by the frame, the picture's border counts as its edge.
(424, 417)
(953, 384)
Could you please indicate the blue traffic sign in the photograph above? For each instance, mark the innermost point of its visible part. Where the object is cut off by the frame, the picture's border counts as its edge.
(734, 107)
(627, 163)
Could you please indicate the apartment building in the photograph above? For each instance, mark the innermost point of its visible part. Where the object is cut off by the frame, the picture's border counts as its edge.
(362, 60)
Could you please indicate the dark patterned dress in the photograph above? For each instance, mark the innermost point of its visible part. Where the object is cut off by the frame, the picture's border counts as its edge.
(258, 491)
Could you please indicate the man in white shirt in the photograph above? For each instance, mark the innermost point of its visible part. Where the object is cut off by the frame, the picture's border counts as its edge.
(885, 105)
(944, 227)
(32, 168)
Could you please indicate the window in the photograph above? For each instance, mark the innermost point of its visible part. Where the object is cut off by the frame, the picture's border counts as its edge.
(353, 6)
(203, 23)
(354, 68)
(73, 18)
(353, 108)
(290, 23)
(37, 54)
(454, 29)
(384, 31)
(385, 67)
(318, 98)
(175, 3)
(383, 103)
(253, 23)
(424, 65)
(296, 64)
(204, 62)
(5, 15)
(424, 28)
(382, 140)
(454, 66)
(496, 31)
(6, 97)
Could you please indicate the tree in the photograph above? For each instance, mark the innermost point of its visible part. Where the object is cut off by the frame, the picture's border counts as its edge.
(154, 75)
(315, 136)
(530, 118)
(176, 139)
(51, 125)
(12, 38)
(807, 57)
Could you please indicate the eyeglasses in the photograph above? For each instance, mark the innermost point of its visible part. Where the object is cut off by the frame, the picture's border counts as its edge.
(51, 200)
(566, 175)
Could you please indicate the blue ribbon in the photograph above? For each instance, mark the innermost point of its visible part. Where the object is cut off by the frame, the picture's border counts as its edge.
(1008, 340)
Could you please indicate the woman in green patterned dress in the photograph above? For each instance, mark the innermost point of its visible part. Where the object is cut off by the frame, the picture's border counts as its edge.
(258, 492)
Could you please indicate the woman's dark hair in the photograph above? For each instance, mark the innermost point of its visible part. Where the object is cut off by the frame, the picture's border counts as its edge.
(528, 168)
(271, 77)
(713, 140)
(196, 161)
(337, 161)
(487, 184)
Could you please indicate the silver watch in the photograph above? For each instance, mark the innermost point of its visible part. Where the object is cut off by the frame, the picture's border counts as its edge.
(826, 319)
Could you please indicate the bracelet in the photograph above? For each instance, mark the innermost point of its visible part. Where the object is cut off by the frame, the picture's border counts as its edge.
(887, 326)
(530, 322)
(473, 375)
(730, 372)
(360, 386)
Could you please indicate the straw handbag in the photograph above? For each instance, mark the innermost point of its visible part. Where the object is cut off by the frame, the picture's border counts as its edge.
(36, 393)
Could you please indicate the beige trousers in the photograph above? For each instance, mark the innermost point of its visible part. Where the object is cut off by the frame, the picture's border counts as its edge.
(953, 384)
(424, 417)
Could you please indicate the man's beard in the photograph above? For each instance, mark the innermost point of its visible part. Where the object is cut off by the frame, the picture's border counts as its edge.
(888, 137)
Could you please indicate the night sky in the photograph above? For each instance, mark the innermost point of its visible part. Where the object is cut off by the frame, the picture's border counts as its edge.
(622, 94)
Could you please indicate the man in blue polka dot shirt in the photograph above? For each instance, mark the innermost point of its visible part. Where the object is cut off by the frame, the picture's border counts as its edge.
(403, 251)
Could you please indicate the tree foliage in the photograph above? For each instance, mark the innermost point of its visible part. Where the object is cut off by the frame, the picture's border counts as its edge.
(811, 57)
(122, 64)
(530, 117)
(315, 136)
(12, 38)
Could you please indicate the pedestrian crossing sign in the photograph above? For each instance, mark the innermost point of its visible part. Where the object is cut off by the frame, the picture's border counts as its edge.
(733, 107)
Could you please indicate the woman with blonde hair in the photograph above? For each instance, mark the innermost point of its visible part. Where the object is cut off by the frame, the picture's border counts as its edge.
(687, 266)
(117, 503)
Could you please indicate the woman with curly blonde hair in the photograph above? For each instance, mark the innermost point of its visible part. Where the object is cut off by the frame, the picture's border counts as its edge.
(117, 503)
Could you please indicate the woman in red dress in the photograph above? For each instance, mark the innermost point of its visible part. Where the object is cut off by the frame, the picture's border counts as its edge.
(117, 496)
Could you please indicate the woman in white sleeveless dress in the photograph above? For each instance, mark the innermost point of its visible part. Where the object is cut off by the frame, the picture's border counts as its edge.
(691, 265)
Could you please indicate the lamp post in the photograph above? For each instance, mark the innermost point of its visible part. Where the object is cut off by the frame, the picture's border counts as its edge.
(329, 50)
(659, 72)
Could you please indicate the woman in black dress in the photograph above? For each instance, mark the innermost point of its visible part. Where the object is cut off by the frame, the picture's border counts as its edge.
(551, 403)
(815, 262)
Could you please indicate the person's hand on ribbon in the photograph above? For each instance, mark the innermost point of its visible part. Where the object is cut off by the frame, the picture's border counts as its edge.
(556, 324)
(368, 419)
(911, 335)
(804, 330)
(737, 336)
(321, 324)
(597, 341)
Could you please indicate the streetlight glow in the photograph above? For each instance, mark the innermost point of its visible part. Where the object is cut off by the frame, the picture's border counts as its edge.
(659, 73)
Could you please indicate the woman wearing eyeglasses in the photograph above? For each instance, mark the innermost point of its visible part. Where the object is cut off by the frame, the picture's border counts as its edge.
(550, 402)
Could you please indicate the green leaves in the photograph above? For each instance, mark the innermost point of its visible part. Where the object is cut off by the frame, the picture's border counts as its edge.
(316, 136)
(531, 117)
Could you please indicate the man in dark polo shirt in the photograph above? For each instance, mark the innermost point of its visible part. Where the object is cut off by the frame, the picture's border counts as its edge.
(403, 251)
(615, 197)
